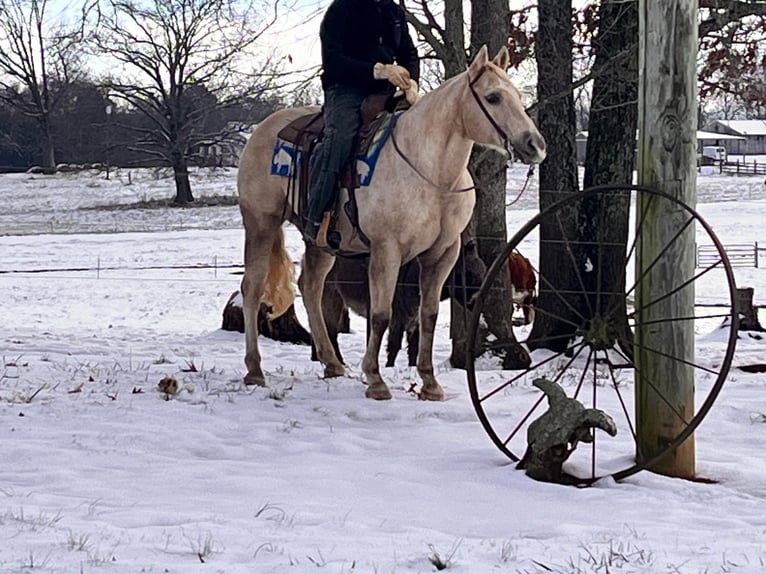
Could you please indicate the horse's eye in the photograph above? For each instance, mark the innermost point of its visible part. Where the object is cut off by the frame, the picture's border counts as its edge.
(493, 98)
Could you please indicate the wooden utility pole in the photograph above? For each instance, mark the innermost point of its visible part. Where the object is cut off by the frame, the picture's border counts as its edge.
(666, 161)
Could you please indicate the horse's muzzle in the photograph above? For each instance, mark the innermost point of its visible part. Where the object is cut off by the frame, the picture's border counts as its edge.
(529, 147)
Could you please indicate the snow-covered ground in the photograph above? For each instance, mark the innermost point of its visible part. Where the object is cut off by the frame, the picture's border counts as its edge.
(99, 474)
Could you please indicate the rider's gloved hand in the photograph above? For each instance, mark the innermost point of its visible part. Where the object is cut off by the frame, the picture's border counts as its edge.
(397, 75)
(411, 93)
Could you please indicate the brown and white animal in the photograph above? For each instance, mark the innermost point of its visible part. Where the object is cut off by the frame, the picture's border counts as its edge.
(524, 285)
(417, 204)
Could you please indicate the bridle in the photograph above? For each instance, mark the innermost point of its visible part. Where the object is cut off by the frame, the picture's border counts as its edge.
(500, 131)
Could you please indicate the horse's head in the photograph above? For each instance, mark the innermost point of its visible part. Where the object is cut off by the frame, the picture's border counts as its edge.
(493, 113)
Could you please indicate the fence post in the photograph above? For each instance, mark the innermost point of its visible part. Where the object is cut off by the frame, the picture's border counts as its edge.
(666, 160)
(755, 249)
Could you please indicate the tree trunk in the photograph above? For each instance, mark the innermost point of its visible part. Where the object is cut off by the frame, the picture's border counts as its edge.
(454, 59)
(610, 156)
(486, 167)
(48, 147)
(181, 176)
(558, 173)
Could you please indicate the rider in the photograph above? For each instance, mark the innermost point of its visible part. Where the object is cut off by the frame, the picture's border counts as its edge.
(366, 49)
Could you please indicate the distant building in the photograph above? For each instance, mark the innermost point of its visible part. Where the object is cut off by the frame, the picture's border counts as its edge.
(704, 139)
(751, 136)
(223, 151)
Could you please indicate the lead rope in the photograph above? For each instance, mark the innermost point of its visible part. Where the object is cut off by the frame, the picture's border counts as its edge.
(530, 173)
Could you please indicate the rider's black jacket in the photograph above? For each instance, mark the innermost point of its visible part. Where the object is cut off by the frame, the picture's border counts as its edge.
(356, 34)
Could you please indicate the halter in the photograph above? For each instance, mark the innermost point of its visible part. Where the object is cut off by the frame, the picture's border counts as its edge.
(500, 131)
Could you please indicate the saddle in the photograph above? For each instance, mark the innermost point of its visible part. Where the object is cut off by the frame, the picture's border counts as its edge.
(305, 133)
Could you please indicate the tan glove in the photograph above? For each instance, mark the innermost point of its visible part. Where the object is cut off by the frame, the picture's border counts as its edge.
(397, 75)
(411, 93)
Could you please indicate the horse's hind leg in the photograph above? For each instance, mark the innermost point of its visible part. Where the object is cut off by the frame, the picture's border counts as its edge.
(433, 274)
(316, 265)
(259, 240)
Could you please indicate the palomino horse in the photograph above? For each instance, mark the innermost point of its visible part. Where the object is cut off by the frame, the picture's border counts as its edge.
(418, 202)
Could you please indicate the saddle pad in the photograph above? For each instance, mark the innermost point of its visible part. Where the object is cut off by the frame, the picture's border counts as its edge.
(287, 157)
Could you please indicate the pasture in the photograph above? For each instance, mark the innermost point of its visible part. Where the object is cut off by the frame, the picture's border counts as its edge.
(101, 472)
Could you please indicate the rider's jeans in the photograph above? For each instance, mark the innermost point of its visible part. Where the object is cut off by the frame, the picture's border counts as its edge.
(342, 119)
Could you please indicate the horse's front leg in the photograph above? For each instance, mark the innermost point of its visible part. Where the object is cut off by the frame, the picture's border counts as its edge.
(433, 273)
(316, 265)
(383, 272)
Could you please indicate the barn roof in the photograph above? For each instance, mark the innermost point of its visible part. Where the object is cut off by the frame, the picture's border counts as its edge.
(702, 135)
(745, 127)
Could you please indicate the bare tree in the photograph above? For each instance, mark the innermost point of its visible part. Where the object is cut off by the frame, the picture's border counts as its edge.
(39, 59)
(732, 38)
(179, 62)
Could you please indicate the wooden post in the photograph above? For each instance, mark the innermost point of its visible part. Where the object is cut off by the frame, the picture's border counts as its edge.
(748, 313)
(666, 161)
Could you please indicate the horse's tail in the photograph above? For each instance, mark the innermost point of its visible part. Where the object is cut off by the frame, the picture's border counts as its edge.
(278, 289)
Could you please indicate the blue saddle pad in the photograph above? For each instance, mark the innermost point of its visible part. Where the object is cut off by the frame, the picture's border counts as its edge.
(286, 158)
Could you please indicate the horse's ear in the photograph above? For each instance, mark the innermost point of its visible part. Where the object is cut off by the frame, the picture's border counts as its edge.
(503, 59)
(479, 61)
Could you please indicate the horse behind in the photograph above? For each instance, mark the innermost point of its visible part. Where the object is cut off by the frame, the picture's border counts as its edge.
(417, 204)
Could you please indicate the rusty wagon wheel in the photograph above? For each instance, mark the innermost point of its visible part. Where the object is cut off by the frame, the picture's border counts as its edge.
(582, 334)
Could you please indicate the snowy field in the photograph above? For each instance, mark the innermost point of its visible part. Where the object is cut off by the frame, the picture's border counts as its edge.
(99, 474)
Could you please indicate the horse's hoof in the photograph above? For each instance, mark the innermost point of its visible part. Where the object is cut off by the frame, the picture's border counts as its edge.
(378, 392)
(432, 393)
(332, 371)
(254, 380)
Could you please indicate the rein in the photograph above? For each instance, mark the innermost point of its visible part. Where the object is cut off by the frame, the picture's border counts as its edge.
(498, 129)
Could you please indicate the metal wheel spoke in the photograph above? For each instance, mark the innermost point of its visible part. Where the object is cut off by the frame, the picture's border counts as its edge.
(547, 339)
(619, 352)
(570, 361)
(557, 316)
(583, 374)
(520, 424)
(678, 288)
(570, 252)
(599, 268)
(629, 254)
(674, 358)
(659, 255)
(557, 292)
(527, 371)
(652, 386)
(679, 319)
(624, 407)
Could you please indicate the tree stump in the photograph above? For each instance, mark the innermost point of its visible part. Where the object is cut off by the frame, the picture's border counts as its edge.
(285, 328)
(748, 313)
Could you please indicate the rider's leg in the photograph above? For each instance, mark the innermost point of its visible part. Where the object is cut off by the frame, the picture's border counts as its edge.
(341, 117)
